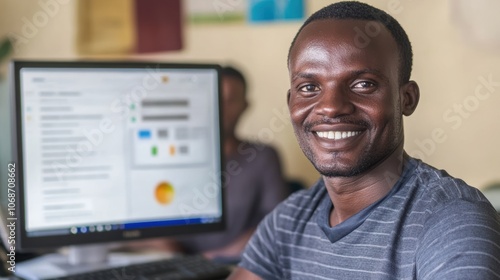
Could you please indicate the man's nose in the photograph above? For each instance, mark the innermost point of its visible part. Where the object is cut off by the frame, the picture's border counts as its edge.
(335, 101)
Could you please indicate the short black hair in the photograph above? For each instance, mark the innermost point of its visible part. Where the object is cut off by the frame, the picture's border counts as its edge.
(362, 11)
(230, 71)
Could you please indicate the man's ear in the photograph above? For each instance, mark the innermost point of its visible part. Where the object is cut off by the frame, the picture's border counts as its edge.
(410, 95)
(287, 96)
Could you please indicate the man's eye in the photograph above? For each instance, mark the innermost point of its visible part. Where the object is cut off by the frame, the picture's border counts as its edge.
(364, 85)
(309, 88)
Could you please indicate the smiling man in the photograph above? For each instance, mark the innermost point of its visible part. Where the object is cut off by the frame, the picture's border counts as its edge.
(376, 213)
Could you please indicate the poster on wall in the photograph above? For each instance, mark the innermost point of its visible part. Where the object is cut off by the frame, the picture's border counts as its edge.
(158, 25)
(262, 11)
(114, 27)
(253, 11)
(105, 27)
(216, 11)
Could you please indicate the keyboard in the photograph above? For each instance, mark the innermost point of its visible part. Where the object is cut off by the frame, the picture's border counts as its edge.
(181, 267)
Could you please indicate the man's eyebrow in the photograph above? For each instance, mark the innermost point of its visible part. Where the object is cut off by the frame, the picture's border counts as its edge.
(303, 75)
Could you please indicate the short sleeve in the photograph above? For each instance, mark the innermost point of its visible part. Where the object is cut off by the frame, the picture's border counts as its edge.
(261, 255)
(462, 242)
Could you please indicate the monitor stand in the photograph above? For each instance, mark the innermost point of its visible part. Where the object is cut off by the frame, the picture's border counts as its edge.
(81, 259)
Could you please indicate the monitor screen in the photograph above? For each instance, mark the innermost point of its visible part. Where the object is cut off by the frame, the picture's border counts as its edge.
(114, 151)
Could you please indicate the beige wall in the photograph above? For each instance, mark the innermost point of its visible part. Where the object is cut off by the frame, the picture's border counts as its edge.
(446, 67)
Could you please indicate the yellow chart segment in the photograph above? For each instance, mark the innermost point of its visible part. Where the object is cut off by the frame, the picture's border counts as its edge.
(164, 193)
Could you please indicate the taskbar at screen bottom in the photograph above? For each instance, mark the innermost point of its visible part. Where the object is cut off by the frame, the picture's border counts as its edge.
(85, 229)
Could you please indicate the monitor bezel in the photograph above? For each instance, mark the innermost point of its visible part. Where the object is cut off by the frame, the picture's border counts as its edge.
(33, 243)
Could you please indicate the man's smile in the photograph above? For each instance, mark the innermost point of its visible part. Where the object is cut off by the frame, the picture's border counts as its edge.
(338, 131)
(337, 135)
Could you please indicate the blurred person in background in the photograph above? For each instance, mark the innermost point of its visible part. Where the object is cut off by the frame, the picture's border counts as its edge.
(253, 178)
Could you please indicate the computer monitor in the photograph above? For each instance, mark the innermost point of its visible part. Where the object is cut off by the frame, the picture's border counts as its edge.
(113, 151)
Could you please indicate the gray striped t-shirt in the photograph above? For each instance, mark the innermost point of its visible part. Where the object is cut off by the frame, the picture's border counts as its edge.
(430, 226)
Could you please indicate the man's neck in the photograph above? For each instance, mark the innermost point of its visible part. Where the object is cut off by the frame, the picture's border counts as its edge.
(350, 195)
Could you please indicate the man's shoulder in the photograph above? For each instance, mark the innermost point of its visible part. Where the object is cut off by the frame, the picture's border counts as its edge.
(439, 186)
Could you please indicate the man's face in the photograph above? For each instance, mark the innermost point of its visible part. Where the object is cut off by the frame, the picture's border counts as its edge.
(233, 102)
(344, 99)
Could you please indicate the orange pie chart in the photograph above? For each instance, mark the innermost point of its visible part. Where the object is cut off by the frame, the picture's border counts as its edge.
(164, 193)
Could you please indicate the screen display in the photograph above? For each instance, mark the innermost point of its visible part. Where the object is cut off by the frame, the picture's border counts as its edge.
(118, 148)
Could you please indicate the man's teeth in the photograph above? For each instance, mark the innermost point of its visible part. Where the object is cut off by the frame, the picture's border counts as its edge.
(337, 135)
